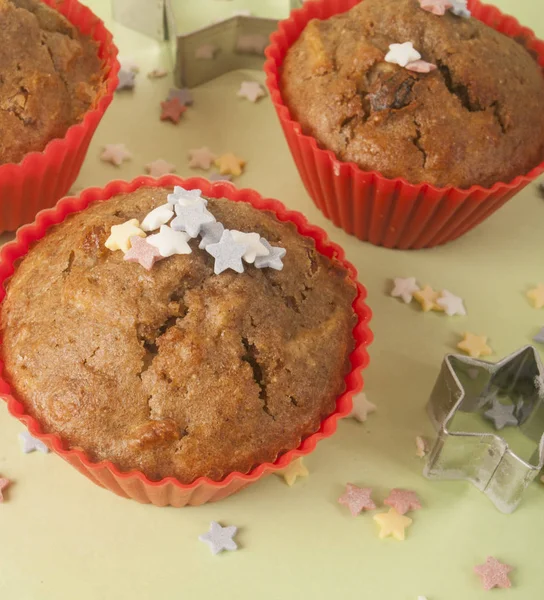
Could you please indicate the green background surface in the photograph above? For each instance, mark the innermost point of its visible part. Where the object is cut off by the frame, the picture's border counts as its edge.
(62, 538)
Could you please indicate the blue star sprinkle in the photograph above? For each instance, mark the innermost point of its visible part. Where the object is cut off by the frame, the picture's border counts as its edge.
(126, 80)
(191, 218)
(227, 253)
(501, 415)
(273, 260)
(211, 234)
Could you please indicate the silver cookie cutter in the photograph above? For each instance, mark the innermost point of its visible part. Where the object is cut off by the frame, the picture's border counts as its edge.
(466, 385)
(238, 42)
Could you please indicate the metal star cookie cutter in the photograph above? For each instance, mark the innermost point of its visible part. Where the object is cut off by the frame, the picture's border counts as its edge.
(467, 385)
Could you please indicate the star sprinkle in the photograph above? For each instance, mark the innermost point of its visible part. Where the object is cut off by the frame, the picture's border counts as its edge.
(120, 235)
(129, 64)
(127, 80)
(422, 447)
(116, 154)
(436, 7)
(3, 485)
(211, 234)
(357, 499)
(229, 164)
(420, 66)
(451, 304)
(251, 43)
(30, 444)
(170, 242)
(402, 500)
(185, 197)
(294, 469)
(206, 52)
(191, 218)
(160, 167)
(274, 258)
(218, 177)
(539, 337)
(201, 158)
(142, 252)
(157, 73)
(219, 538)
(502, 415)
(171, 110)
(362, 407)
(227, 253)
(427, 297)
(475, 345)
(391, 523)
(537, 296)
(460, 9)
(251, 90)
(493, 574)
(182, 94)
(402, 54)
(404, 288)
(157, 217)
(254, 247)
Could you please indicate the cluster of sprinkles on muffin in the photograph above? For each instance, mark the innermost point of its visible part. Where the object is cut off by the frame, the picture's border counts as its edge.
(193, 219)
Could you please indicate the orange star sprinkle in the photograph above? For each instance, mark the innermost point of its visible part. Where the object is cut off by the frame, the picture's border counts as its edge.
(537, 296)
(475, 345)
(171, 110)
(229, 164)
(427, 297)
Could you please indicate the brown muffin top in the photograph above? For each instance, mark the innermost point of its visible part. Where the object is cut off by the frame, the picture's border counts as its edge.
(176, 371)
(477, 119)
(49, 77)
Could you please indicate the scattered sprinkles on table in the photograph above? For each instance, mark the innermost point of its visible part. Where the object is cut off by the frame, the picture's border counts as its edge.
(116, 154)
(127, 80)
(251, 90)
(129, 64)
(392, 524)
(157, 73)
(501, 415)
(160, 167)
(493, 574)
(536, 296)
(451, 304)
(362, 407)
(427, 298)
(402, 500)
(220, 538)
(422, 447)
(230, 164)
(357, 499)
(31, 444)
(539, 337)
(404, 288)
(4, 483)
(201, 158)
(171, 110)
(474, 345)
(184, 95)
(219, 177)
(296, 468)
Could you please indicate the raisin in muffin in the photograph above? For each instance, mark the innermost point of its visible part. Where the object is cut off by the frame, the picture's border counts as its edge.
(176, 371)
(50, 76)
(477, 119)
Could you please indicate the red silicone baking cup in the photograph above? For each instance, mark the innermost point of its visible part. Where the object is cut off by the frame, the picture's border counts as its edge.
(170, 491)
(41, 178)
(387, 212)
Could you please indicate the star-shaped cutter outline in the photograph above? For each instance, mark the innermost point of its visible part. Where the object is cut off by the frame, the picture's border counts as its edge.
(485, 459)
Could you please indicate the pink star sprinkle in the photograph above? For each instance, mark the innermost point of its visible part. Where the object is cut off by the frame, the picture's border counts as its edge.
(493, 574)
(437, 7)
(420, 66)
(143, 253)
(357, 499)
(402, 500)
(3, 485)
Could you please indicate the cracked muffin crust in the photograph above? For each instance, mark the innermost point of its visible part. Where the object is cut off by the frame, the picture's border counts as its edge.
(477, 119)
(176, 371)
(50, 76)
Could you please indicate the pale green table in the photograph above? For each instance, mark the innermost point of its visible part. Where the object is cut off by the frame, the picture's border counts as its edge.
(62, 538)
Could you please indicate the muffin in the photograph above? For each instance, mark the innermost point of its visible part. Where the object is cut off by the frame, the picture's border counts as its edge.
(170, 368)
(475, 120)
(51, 76)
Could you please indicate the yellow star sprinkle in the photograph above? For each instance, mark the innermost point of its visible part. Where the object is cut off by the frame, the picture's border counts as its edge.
(229, 164)
(120, 235)
(537, 295)
(475, 345)
(427, 297)
(391, 523)
(292, 471)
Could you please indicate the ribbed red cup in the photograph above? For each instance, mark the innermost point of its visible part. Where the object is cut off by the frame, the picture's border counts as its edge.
(41, 178)
(170, 491)
(387, 212)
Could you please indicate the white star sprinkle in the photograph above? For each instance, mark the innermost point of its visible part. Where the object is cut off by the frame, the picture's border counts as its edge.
(170, 242)
(30, 443)
(185, 197)
(273, 260)
(191, 218)
(362, 407)
(251, 90)
(254, 247)
(404, 288)
(402, 54)
(157, 217)
(452, 304)
(219, 538)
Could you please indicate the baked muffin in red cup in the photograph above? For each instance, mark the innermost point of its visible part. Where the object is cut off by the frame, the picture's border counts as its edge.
(410, 121)
(175, 344)
(58, 74)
